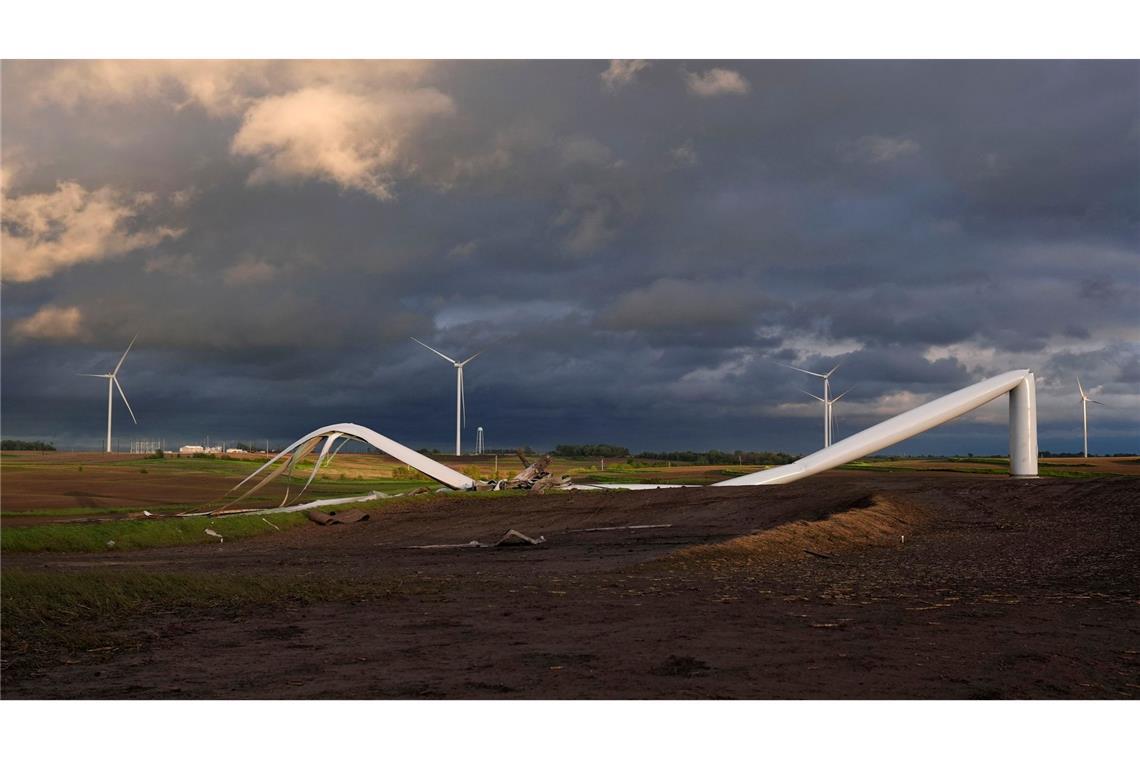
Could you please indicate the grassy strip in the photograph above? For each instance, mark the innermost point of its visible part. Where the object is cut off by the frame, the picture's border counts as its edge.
(138, 534)
(95, 511)
(1043, 471)
(317, 490)
(178, 531)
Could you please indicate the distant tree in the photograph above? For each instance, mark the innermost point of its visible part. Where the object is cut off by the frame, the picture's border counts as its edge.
(592, 450)
(720, 457)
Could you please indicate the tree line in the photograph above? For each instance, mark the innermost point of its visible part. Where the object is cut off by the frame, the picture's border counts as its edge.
(14, 444)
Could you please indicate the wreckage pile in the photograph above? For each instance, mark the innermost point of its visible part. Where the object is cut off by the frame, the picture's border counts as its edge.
(534, 477)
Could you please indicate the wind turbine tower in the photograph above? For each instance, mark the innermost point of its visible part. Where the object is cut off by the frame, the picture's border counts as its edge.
(829, 437)
(826, 398)
(460, 405)
(1085, 413)
(113, 380)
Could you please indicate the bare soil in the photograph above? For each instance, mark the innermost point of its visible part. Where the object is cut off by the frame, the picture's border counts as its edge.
(847, 585)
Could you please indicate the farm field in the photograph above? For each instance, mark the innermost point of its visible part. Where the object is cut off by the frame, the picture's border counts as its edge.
(854, 584)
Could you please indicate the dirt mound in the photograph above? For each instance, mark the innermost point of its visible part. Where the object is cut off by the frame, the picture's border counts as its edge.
(874, 520)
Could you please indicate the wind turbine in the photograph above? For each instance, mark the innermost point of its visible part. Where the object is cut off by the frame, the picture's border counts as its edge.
(1085, 413)
(112, 379)
(829, 414)
(826, 398)
(460, 404)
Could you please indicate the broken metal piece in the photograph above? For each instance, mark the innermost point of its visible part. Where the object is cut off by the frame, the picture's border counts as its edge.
(514, 538)
(336, 518)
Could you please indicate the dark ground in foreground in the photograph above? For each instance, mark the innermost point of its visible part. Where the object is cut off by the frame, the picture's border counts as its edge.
(1001, 588)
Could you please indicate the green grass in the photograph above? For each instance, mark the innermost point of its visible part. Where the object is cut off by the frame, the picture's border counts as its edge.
(138, 534)
(95, 512)
(318, 489)
(144, 533)
(1044, 471)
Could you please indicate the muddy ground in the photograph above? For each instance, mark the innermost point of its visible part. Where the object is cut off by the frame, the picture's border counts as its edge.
(848, 585)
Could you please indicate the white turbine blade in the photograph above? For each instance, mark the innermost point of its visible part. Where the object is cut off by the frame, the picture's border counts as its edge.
(1097, 402)
(329, 440)
(463, 399)
(124, 356)
(469, 358)
(841, 395)
(1081, 388)
(437, 353)
(817, 398)
(115, 380)
(805, 371)
(837, 366)
(85, 374)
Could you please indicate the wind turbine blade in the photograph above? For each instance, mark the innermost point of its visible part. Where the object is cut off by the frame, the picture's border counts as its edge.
(124, 356)
(1081, 388)
(115, 380)
(805, 371)
(841, 395)
(1098, 402)
(437, 353)
(463, 399)
(472, 356)
(817, 398)
(85, 374)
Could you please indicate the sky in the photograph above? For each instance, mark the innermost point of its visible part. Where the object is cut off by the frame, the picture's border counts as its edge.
(636, 247)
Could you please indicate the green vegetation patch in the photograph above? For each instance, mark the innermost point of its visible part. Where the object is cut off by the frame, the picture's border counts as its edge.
(115, 535)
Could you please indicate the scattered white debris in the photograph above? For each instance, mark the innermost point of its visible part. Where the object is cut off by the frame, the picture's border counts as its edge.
(621, 527)
(215, 534)
(270, 524)
(111, 544)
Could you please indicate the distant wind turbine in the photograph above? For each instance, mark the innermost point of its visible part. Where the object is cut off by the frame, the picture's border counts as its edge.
(826, 398)
(830, 413)
(113, 379)
(460, 403)
(1085, 413)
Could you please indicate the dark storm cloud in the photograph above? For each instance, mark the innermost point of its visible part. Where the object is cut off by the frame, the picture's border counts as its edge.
(636, 252)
